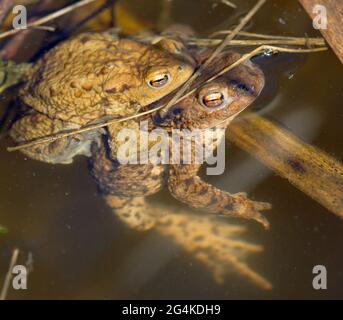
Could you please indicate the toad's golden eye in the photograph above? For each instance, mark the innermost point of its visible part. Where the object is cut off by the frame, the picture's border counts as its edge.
(213, 100)
(158, 80)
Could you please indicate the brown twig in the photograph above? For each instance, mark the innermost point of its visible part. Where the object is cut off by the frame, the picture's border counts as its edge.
(229, 4)
(45, 28)
(8, 277)
(260, 42)
(48, 18)
(306, 167)
(10, 49)
(267, 50)
(226, 2)
(254, 35)
(333, 31)
(12, 46)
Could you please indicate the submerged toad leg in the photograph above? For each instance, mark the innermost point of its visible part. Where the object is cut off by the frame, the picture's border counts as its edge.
(214, 243)
(133, 212)
(125, 187)
(186, 186)
(37, 125)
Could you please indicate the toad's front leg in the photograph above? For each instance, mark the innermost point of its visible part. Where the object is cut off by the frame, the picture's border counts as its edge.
(185, 185)
(36, 125)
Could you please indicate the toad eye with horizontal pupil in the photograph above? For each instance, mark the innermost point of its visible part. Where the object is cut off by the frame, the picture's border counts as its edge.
(159, 80)
(213, 100)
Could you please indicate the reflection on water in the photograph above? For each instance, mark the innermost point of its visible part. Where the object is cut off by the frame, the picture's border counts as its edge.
(81, 251)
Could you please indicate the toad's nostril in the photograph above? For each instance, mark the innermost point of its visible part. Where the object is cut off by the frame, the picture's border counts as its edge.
(176, 111)
(242, 87)
(157, 119)
(181, 67)
(167, 117)
(161, 121)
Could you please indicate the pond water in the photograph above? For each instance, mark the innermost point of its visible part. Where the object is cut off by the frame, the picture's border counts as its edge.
(80, 250)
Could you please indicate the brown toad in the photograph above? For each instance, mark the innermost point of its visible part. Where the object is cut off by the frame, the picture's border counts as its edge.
(214, 104)
(90, 78)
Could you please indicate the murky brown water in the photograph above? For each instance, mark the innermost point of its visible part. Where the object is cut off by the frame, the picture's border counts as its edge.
(81, 251)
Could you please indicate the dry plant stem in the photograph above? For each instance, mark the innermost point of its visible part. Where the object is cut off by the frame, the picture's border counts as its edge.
(8, 277)
(48, 18)
(11, 48)
(264, 49)
(13, 45)
(260, 42)
(229, 4)
(333, 32)
(245, 57)
(255, 35)
(306, 167)
(45, 28)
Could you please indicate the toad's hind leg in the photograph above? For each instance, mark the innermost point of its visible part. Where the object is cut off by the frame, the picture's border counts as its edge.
(134, 212)
(126, 186)
(185, 185)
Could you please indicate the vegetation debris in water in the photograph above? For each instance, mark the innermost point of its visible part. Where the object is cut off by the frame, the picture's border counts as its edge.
(3, 229)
